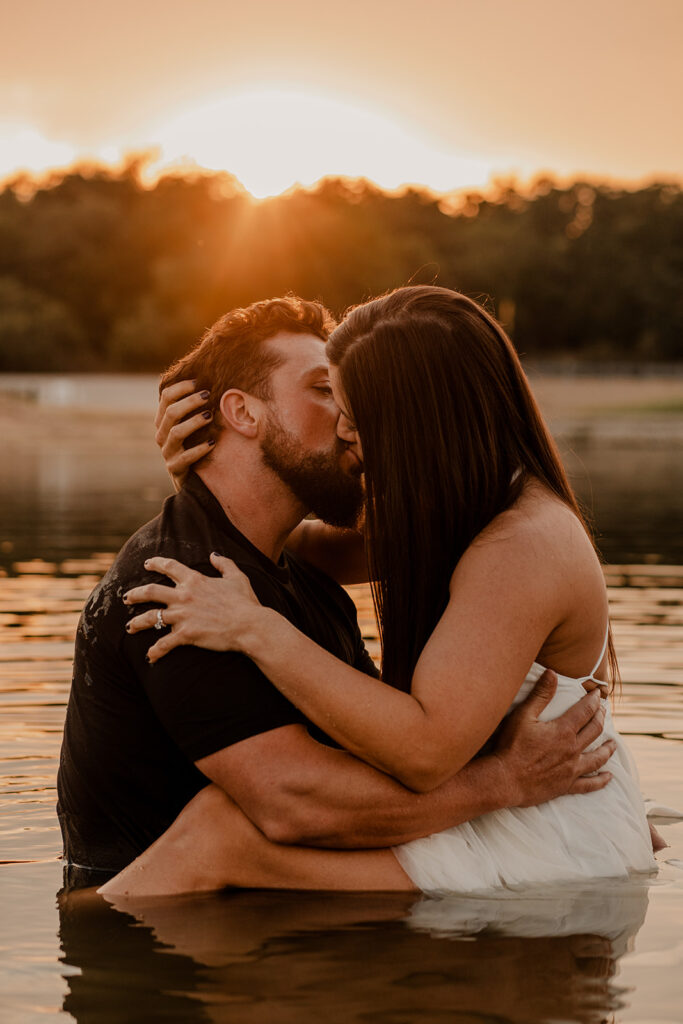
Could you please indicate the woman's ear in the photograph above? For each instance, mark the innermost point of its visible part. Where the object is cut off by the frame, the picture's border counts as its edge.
(240, 411)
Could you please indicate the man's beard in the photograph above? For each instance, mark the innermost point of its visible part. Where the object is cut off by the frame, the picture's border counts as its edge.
(317, 479)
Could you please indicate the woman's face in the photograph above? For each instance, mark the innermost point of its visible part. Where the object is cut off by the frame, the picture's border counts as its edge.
(346, 428)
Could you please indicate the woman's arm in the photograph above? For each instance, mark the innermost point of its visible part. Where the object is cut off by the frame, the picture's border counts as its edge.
(503, 605)
(339, 553)
(497, 619)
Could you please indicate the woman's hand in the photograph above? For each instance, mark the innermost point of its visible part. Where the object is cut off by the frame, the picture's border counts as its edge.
(177, 402)
(207, 611)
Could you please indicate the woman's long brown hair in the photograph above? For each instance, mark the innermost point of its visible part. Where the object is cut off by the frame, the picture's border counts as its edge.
(446, 417)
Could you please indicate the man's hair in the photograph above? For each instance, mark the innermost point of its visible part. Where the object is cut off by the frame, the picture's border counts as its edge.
(231, 354)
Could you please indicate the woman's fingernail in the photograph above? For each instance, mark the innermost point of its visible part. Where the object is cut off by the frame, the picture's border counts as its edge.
(211, 442)
(128, 627)
(204, 394)
(207, 415)
(125, 598)
(147, 561)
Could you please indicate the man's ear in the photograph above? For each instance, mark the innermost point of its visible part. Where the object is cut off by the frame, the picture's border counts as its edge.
(241, 411)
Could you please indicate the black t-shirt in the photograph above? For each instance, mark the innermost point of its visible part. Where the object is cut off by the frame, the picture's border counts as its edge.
(133, 730)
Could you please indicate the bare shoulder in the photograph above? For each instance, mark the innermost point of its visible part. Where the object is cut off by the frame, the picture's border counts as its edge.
(534, 567)
(538, 539)
(538, 519)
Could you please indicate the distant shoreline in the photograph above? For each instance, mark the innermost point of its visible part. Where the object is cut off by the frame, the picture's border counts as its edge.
(613, 410)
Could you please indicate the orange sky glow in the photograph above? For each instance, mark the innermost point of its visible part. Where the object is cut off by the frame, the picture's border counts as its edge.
(448, 93)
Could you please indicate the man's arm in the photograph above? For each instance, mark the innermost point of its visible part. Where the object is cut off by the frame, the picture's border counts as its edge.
(338, 552)
(297, 791)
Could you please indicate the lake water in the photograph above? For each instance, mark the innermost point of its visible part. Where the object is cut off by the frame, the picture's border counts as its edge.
(612, 952)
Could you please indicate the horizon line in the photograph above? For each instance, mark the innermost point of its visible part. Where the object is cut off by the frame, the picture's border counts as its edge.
(31, 181)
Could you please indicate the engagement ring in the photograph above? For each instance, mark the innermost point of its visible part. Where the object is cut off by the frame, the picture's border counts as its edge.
(160, 624)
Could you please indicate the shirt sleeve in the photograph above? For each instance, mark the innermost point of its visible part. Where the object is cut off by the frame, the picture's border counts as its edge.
(206, 700)
(210, 699)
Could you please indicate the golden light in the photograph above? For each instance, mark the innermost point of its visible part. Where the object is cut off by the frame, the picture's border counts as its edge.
(272, 139)
(24, 148)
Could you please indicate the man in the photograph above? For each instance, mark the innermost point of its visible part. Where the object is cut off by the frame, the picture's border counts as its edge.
(141, 740)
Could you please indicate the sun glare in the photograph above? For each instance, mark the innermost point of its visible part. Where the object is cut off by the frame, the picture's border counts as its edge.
(23, 148)
(270, 139)
(273, 139)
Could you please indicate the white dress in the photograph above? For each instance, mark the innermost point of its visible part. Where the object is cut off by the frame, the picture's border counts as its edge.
(573, 838)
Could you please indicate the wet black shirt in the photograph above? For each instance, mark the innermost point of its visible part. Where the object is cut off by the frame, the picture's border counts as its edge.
(133, 730)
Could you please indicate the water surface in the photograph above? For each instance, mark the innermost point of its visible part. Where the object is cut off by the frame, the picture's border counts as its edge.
(607, 952)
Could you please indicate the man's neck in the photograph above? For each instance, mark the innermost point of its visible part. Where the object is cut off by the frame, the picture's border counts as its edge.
(255, 501)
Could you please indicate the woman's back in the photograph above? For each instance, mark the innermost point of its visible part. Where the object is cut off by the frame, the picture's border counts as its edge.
(572, 838)
(558, 557)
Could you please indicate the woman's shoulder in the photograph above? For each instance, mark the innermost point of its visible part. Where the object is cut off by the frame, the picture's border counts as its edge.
(539, 536)
(536, 563)
(537, 513)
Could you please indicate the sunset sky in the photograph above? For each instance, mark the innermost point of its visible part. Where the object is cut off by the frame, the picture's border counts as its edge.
(443, 92)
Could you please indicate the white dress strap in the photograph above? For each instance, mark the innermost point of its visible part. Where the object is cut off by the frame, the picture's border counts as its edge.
(599, 661)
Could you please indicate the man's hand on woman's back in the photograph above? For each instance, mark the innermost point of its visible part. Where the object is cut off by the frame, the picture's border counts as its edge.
(544, 760)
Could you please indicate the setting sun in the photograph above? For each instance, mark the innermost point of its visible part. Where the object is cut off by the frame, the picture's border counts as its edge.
(273, 139)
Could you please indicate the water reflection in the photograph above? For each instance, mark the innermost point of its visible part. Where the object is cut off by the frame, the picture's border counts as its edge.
(88, 492)
(268, 957)
(634, 495)
(74, 500)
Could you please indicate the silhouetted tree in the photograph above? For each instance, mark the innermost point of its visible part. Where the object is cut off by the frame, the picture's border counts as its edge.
(98, 271)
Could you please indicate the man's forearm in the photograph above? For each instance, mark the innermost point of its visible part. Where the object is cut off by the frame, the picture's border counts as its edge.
(478, 788)
(357, 807)
(336, 551)
(299, 791)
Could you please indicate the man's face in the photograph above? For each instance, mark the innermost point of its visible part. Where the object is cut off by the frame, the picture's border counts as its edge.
(299, 440)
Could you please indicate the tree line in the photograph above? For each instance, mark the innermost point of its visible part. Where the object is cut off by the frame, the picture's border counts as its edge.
(99, 271)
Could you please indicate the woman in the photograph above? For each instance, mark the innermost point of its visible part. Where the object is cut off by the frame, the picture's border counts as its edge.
(482, 569)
